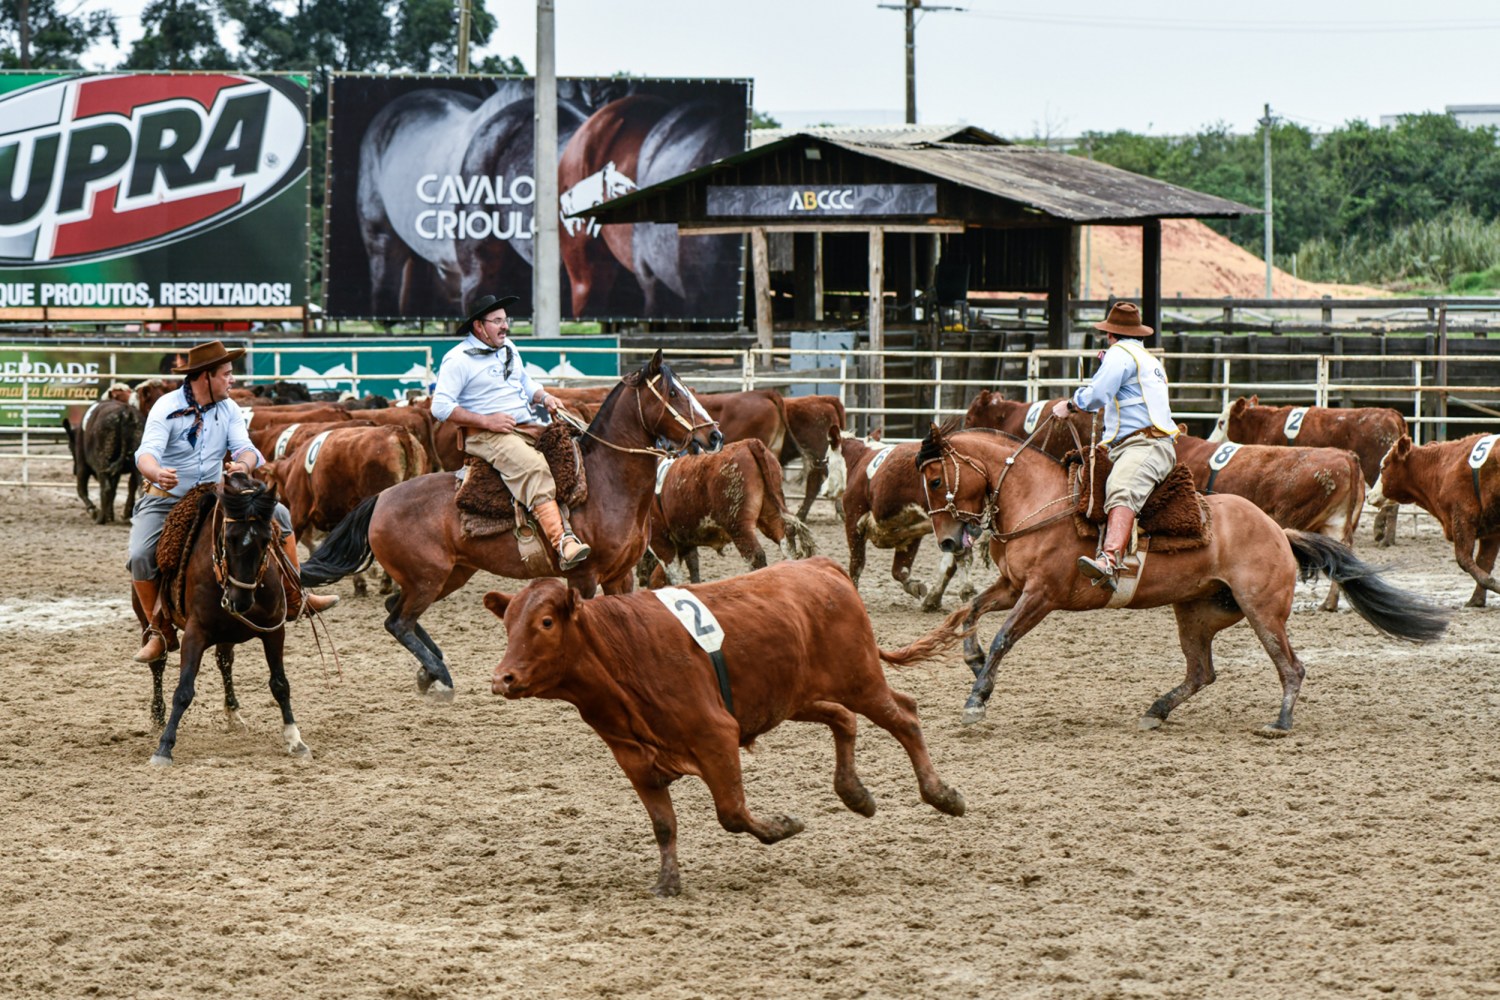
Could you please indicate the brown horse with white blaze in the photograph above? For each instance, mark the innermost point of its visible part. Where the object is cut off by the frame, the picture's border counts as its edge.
(414, 529)
(1247, 569)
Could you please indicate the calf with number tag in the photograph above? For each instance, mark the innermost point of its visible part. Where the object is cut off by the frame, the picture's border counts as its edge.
(677, 681)
(1458, 482)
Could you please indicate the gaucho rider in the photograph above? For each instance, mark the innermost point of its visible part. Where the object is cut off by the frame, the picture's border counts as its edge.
(1131, 388)
(483, 387)
(188, 433)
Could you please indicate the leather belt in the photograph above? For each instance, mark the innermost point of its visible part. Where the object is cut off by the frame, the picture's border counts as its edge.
(152, 490)
(1147, 432)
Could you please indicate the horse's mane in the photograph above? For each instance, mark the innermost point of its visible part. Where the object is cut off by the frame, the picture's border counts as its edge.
(932, 444)
(244, 497)
(629, 379)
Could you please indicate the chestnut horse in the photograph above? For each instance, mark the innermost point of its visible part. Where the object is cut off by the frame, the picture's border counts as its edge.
(413, 528)
(1248, 569)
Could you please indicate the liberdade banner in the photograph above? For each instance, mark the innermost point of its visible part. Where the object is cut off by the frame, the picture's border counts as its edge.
(141, 190)
(431, 196)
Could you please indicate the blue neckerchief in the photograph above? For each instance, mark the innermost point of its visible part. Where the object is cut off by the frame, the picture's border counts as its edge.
(191, 409)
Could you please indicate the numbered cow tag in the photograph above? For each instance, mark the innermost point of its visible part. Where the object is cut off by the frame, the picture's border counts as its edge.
(1482, 449)
(83, 424)
(878, 461)
(661, 473)
(1034, 415)
(312, 451)
(694, 616)
(1294, 422)
(282, 440)
(1222, 456)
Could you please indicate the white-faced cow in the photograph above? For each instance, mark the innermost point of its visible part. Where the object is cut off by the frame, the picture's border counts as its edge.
(1457, 482)
(677, 681)
(1368, 431)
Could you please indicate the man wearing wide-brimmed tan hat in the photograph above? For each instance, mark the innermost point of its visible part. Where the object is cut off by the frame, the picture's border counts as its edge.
(483, 387)
(1131, 388)
(189, 433)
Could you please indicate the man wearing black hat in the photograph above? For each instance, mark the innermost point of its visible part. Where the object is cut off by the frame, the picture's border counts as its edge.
(1131, 388)
(188, 433)
(483, 387)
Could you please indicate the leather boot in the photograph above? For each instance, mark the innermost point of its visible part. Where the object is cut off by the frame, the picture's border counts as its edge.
(1105, 570)
(310, 601)
(570, 551)
(154, 643)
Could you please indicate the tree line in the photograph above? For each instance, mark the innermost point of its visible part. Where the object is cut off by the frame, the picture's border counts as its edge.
(1414, 204)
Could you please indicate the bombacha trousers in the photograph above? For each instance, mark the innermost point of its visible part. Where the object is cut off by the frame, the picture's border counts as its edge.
(1140, 464)
(520, 464)
(146, 522)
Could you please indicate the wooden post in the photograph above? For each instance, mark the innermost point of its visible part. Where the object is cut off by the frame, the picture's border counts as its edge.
(1442, 371)
(1059, 280)
(818, 277)
(876, 311)
(761, 265)
(1151, 278)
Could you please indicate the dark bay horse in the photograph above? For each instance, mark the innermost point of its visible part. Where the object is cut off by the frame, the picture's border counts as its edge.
(414, 530)
(1248, 569)
(233, 593)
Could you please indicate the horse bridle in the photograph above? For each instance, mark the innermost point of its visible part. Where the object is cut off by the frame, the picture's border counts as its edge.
(226, 579)
(985, 517)
(641, 412)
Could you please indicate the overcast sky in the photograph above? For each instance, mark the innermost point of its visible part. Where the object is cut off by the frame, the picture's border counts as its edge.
(1035, 67)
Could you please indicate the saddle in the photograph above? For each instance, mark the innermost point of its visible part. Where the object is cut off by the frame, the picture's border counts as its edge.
(485, 504)
(1175, 517)
(175, 546)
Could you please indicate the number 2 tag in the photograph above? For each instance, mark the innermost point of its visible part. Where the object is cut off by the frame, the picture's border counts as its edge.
(694, 616)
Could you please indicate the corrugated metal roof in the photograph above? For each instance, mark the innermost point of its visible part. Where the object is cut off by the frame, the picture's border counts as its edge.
(1059, 185)
(907, 134)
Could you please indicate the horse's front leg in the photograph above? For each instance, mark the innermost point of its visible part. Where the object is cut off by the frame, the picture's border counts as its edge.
(224, 653)
(274, 644)
(1030, 608)
(193, 646)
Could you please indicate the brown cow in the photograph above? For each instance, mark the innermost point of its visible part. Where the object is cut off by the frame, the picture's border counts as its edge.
(718, 499)
(1466, 501)
(277, 442)
(351, 464)
(890, 512)
(758, 414)
(815, 430)
(991, 409)
(1320, 490)
(796, 644)
(297, 413)
(1368, 431)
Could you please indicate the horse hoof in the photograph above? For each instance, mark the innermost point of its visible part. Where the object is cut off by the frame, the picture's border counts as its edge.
(950, 801)
(972, 714)
(300, 750)
(160, 760)
(1273, 732)
(932, 605)
(1148, 723)
(439, 692)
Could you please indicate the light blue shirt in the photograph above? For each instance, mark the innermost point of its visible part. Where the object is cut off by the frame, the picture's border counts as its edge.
(166, 440)
(1115, 383)
(477, 382)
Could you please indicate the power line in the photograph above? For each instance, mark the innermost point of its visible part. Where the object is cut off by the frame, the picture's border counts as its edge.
(1117, 23)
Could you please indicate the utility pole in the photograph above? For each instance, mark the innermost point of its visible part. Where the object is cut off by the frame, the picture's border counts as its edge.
(463, 36)
(1265, 124)
(910, 7)
(546, 314)
(23, 24)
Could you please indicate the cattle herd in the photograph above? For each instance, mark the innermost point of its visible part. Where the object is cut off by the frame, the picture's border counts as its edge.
(663, 674)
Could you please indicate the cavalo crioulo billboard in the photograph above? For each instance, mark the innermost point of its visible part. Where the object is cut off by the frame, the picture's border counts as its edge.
(431, 191)
(153, 195)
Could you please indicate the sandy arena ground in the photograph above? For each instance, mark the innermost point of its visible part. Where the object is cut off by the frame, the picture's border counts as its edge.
(493, 848)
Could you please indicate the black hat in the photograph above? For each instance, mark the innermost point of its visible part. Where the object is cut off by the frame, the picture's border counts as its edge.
(485, 304)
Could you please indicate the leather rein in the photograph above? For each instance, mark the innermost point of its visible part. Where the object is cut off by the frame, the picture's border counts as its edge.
(985, 517)
(226, 579)
(576, 422)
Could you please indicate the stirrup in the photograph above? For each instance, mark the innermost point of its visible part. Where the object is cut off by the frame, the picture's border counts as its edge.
(579, 554)
(1102, 572)
(152, 632)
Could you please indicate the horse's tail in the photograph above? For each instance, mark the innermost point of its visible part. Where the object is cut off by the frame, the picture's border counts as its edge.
(1393, 611)
(346, 549)
(939, 640)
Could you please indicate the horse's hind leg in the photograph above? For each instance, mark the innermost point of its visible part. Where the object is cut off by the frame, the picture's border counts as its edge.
(851, 791)
(193, 648)
(896, 713)
(274, 644)
(1197, 624)
(1270, 628)
(1485, 560)
(224, 653)
(405, 607)
(158, 705)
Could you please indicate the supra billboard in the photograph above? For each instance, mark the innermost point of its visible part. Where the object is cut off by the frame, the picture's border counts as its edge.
(431, 196)
(139, 190)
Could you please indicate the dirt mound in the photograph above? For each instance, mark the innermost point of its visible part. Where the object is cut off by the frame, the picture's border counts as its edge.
(1196, 262)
